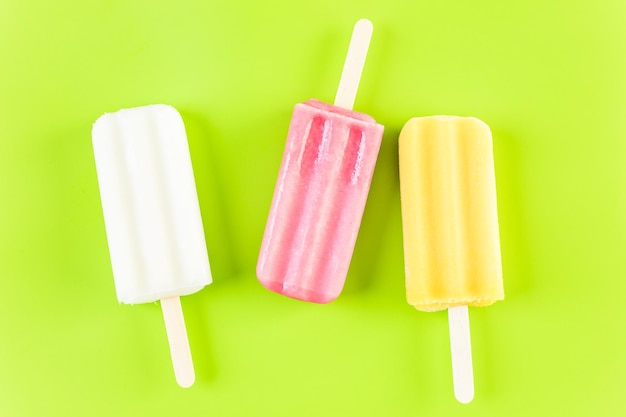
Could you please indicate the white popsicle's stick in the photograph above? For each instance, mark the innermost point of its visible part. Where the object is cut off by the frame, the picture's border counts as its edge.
(461, 347)
(179, 344)
(353, 65)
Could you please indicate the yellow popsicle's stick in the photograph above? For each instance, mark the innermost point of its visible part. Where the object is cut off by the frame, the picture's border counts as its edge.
(461, 348)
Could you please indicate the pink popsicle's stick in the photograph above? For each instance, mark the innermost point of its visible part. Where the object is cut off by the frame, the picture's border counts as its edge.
(179, 344)
(461, 347)
(353, 65)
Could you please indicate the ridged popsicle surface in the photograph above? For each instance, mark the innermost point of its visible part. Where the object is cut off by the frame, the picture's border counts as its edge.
(151, 211)
(449, 213)
(318, 202)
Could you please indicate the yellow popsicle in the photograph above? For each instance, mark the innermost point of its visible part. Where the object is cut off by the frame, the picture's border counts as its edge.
(449, 213)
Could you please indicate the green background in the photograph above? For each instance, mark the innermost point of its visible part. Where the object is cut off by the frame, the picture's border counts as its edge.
(549, 77)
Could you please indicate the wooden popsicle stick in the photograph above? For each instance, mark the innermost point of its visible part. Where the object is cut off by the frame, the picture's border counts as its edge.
(461, 347)
(353, 65)
(179, 344)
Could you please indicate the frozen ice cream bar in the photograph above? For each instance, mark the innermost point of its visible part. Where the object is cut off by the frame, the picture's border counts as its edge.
(321, 191)
(152, 217)
(449, 214)
(318, 202)
(450, 225)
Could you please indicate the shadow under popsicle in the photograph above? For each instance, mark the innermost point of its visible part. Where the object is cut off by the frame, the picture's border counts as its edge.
(198, 320)
(220, 247)
(382, 202)
(384, 196)
(517, 266)
(514, 241)
(205, 159)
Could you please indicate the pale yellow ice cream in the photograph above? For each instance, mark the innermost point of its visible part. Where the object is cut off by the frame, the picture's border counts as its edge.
(449, 213)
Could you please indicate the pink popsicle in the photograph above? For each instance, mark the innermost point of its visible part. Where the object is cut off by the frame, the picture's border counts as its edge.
(321, 191)
(318, 201)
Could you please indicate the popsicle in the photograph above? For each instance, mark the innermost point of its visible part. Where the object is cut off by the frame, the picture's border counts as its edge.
(152, 216)
(321, 191)
(450, 226)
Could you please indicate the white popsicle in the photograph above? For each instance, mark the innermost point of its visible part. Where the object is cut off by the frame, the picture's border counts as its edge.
(152, 216)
